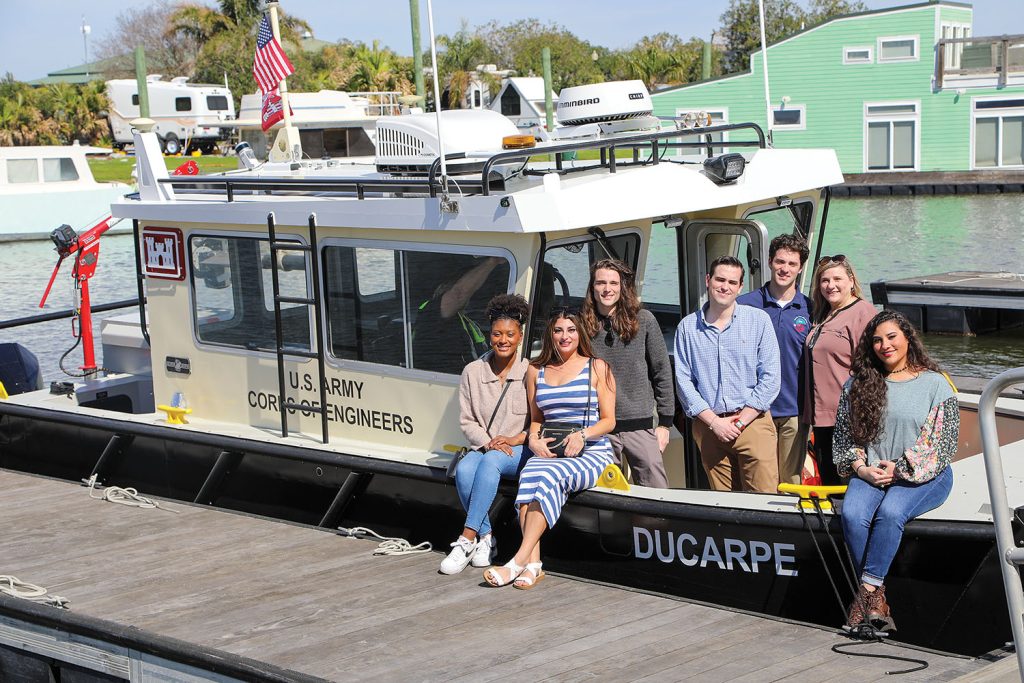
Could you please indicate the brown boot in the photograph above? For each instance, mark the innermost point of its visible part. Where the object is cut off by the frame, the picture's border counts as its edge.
(855, 615)
(878, 609)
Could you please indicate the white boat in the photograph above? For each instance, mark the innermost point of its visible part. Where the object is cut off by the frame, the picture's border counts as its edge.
(43, 187)
(331, 123)
(281, 307)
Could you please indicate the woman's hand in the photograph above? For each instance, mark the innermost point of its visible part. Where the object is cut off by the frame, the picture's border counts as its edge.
(539, 446)
(878, 476)
(574, 444)
(500, 443)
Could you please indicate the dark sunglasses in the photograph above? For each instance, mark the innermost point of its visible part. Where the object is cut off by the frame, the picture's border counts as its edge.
(838, 258)
(563, 312)
(608, 338)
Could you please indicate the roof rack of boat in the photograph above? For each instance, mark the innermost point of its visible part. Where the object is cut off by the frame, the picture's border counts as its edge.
(657, 145)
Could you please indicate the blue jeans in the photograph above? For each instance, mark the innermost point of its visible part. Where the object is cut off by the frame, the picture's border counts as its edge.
(476, 480)
(873, 519)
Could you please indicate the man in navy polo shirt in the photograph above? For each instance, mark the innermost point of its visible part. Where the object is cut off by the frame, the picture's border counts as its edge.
(790, 312)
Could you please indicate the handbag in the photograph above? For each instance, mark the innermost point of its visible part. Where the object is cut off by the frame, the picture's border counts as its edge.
(560, 430)
(461, 453)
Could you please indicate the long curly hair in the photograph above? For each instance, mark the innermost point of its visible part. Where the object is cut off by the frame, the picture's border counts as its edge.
(868, 389)
(548, 353)
(625, 319)
(819, 305)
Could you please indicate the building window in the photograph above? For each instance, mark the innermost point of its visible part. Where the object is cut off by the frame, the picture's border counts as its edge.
(233, 299)
(216, 102)
(891, 136)
(182, 104)
(789, 117)
(410, 308)
(59, 170)
(510, 104)
(898, 49)
(998, 133)
(857, 55)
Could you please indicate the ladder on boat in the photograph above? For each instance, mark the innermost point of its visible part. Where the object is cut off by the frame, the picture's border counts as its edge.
(1011, 557)
(317, 334)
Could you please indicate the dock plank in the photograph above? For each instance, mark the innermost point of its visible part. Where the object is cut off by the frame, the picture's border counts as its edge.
(312, 602)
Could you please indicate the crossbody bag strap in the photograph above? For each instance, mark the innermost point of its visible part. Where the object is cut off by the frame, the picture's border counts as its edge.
(590, 367)
(508, 383)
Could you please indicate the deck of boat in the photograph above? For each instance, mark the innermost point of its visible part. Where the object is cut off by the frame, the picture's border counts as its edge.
(294, 602)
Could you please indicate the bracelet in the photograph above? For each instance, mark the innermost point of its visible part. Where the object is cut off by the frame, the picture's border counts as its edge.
(856, 470)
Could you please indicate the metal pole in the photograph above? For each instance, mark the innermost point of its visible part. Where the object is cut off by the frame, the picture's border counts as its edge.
(437, 100)
(417, 51)
(282, 87)
(764, 64)
(705, 67)
(140, 81)
(545, 59)
(1001, 515)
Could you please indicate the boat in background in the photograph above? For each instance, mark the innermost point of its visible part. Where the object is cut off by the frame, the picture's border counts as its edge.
(44, 187)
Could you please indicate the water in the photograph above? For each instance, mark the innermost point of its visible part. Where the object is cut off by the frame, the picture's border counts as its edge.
(886, 238)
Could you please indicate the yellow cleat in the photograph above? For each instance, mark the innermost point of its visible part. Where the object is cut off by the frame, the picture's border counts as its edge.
(175, 416)
(612, 478)
(806, 493)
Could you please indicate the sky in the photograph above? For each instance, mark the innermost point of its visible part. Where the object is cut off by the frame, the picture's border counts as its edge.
(45, 35)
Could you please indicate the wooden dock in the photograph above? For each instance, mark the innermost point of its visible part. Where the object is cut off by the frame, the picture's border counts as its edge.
(198, 590)
(916, 183)
(962, 302)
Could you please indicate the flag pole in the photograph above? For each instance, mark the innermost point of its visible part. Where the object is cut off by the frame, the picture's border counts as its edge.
(287, 146)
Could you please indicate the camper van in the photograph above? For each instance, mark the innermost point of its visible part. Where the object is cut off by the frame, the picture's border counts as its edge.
(187, 116)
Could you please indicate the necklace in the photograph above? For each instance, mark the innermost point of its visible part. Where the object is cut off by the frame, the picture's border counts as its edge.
(905, 368)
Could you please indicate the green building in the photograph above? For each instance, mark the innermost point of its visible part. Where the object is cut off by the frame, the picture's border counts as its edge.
(902, 89)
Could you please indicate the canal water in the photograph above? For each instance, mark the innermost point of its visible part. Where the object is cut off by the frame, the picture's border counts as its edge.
(886, 238)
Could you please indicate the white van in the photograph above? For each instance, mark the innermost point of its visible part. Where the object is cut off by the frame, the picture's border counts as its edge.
(187, 116)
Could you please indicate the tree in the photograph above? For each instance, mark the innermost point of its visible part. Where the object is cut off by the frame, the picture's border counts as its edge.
(463, 52)
(519, 45)
(152, 27)
(662, 59)
(741, 24)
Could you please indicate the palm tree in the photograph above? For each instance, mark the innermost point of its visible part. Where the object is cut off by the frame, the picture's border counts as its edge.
(375, 68)
(463, 52)
(205, 23)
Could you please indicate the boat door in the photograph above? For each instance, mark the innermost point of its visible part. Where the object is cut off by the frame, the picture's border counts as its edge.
(700, 242)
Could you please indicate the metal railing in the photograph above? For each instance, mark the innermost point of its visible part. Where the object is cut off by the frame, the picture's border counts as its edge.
(1011, 557)
(979, 56)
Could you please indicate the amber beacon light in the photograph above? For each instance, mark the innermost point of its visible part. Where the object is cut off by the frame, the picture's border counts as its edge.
(518, 142)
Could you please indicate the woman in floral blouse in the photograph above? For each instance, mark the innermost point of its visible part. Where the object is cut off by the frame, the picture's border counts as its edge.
(896, 433)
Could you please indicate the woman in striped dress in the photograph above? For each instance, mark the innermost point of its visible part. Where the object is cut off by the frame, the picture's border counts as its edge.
(566, 383)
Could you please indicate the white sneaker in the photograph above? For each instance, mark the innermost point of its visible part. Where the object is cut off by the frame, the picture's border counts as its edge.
(462, 551)
(486, 551)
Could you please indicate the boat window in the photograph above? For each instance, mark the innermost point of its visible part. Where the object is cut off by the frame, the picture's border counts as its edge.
(408, 308)
(22, 171)
(59, 170)
(217, 102)
(233, 301)
(565, 274)
(182, 104)
(779, 220)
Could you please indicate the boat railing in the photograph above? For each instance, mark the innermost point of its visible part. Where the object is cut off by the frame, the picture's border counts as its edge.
(656, 145)
(979, 56)
(382, 102)
(1011, 557)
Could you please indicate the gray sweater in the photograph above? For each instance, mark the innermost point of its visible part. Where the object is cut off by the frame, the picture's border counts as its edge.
(643, 375)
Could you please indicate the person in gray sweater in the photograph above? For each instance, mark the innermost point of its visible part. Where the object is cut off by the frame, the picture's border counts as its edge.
(629, 339)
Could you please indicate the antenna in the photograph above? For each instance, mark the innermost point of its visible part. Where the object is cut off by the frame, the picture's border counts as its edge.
(764, 64)
(447, 205)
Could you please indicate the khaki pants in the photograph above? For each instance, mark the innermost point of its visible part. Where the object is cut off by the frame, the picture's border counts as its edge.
(749, 463)
(792, 448)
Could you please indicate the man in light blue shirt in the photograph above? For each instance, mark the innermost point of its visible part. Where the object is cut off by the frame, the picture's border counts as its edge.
(727, 375)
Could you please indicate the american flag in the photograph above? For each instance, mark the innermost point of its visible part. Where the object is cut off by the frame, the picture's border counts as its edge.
(270, 65)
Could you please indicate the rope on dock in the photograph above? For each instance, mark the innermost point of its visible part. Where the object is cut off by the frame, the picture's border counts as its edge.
(15, 587)
(125, 496)
(389, 545)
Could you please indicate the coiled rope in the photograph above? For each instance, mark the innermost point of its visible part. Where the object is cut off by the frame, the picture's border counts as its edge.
(15, 587)
(389, 545)
(125, 496)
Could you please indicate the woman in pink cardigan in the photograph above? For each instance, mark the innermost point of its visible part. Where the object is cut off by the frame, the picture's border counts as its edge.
(840, 316)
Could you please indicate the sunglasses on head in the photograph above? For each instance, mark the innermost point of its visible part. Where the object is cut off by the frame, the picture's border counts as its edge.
(838, 258)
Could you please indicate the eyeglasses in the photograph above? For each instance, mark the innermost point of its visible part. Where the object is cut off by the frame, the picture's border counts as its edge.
(838, 258)
(563, 312)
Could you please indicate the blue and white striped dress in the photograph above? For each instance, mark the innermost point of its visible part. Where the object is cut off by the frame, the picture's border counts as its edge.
(549, 481)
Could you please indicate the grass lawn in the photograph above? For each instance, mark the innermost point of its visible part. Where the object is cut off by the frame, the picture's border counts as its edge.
(120, 168)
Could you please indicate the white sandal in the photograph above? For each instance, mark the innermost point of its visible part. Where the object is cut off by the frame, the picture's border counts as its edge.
(492, 576)
(530, 577)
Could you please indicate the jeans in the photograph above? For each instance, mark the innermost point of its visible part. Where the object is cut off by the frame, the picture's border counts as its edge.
(476, 480)
(873, 519)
